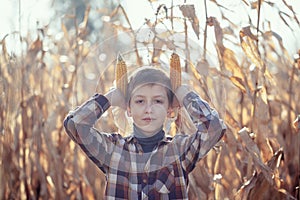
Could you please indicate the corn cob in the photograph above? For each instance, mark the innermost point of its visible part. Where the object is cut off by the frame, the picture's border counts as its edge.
(121, 75)
(175, 71)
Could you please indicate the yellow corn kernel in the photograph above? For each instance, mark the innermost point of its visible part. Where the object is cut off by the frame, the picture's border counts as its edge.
(175, 71)
(121, 75)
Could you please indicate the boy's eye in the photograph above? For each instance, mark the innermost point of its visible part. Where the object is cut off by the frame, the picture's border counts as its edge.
(159, 101)
(139, 101)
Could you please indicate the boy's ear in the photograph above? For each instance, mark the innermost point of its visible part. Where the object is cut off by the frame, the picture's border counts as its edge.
(175, 102)
(170, 112)
(129, 111)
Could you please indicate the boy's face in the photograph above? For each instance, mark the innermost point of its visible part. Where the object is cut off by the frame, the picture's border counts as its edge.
(149, 107)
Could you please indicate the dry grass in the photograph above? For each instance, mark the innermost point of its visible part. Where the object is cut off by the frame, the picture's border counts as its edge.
(258, 157)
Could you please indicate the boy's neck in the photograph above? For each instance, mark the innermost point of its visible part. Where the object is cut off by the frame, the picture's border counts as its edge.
(148, 143)
(139, 133)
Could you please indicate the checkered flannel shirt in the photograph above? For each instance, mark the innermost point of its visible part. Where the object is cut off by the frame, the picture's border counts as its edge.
(133, 174)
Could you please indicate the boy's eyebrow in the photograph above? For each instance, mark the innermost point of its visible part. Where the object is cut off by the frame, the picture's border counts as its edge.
(138, 96)
(156, 96)
(160, 96)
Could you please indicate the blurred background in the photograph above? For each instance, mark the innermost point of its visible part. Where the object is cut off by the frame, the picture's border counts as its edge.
(241, 56)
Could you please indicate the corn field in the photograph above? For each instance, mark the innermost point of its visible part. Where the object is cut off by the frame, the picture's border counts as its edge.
(245, 72)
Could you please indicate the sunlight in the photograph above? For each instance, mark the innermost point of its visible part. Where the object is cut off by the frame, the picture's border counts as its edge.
(36, 14)
(55, 55)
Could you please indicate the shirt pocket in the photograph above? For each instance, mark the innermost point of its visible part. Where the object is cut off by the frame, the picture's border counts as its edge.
(165, 180)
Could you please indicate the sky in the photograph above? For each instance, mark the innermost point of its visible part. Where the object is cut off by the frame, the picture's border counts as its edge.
(31, 11)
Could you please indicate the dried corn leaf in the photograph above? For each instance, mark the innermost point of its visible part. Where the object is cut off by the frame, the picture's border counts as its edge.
(229, 59)
(226, 168)
(219, 191)
(164, 7)
(246, 31)
(272, 55)
(245, 2)
(291, 8)
(72, 187)
(197, 73)
(269, 35)
(196, 191)
(263, 189)
(203, 179)
(263, 124)
(255, 4)
(258, 187)
(274, 162)
(238, 83)
(158, 45)
(188, 11)
(86, 190)
(231, 121)
(33, 50)
(231, 63)
(281, 15)
(297, 123)
(253, 150)
(249, 47)
(4, 49)
(202, 68)
(212, 21)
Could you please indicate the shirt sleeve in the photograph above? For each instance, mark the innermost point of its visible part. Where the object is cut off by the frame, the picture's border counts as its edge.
(79, 125)
(210, 129)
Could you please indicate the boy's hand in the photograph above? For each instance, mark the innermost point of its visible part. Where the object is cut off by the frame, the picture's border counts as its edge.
(116, 98)
(180, 93)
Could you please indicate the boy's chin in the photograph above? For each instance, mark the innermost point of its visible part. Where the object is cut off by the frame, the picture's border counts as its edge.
(149, 131)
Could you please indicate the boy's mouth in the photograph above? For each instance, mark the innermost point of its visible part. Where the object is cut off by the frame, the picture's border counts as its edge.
(147, 119)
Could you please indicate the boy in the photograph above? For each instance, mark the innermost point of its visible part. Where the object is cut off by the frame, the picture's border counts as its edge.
(148, 164)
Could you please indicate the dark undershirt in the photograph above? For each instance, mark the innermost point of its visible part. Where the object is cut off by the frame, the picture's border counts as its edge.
(147, 143)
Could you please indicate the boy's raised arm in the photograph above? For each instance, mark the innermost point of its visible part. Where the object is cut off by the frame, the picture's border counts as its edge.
(89, 112)
(210, 128)
(79, 125)
(85, 115)
(205, 117)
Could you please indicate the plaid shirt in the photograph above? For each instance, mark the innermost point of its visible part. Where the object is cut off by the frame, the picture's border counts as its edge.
(134, 174)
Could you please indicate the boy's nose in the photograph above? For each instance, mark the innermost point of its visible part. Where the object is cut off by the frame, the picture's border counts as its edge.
(148, 108)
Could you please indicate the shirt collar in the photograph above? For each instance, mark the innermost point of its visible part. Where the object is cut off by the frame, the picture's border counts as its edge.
(131, 139)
